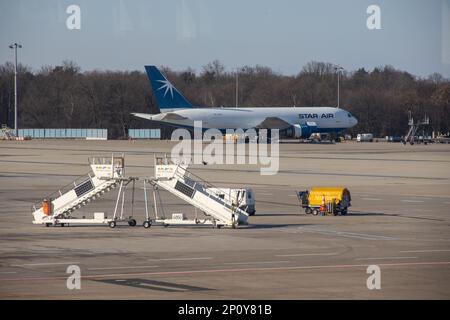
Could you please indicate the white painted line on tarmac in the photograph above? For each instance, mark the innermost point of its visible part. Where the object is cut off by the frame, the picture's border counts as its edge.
(240, 270)
(413, 201)
(7, 272)
(371, 199)
(306, 254)
(423, 196)
(363, 236)
(43, 264)
(182, 259)
(114, 268)
(166, 287)
(385, 258)
(256, 262)
(432, 250)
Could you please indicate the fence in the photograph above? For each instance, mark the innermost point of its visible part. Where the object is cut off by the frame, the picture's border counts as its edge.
(144, 133)
(67, 133)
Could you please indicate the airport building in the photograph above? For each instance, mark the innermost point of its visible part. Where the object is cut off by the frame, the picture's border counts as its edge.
(89, 134)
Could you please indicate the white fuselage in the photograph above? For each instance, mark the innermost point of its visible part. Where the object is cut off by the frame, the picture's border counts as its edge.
(326, 119)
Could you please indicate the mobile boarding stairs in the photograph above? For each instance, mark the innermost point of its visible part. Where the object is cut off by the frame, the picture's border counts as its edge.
(108, 173)
(176, 179)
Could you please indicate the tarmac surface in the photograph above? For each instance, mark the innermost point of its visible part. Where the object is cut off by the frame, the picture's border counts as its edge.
(399, 221)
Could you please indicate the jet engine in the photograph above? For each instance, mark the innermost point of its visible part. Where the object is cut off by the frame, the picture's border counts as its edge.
(304, 130)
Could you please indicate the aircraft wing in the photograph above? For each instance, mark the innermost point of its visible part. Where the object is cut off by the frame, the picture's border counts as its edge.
(273, 123)
(168, 118)
(143, 115)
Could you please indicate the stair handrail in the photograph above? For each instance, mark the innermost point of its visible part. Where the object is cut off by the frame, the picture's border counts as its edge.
(203, 182)
(63, 190)
(227, 204)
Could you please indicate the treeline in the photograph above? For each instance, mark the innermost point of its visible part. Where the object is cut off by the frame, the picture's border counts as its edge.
(64, 97)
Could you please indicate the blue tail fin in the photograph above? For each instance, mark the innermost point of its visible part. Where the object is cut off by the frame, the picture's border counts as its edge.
(167, 96)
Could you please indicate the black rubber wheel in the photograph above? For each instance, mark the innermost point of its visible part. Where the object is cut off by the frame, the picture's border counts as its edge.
(47, 225)
(147, 224)
(344, 212)
(308, 210)
(315, 212)
(112, 224)
(132, 222)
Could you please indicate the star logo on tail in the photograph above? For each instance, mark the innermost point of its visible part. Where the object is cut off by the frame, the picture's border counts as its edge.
(167, 86)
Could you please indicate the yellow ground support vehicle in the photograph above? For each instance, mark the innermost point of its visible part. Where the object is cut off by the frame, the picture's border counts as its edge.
(325, 200)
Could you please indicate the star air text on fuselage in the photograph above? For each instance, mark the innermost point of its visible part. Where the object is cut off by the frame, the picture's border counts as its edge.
(315, 115)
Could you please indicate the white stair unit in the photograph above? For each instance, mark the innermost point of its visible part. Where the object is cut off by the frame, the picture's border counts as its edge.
(178, 181)
(106, 174)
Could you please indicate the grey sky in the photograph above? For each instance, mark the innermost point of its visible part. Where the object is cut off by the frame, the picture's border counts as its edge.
(284, 34)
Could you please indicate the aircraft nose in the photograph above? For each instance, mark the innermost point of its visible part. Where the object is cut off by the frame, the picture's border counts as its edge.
(354, 121)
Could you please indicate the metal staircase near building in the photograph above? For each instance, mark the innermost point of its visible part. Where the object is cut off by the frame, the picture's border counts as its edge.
(413, 128)
(56, 209)
(7, 133)
(176, 179)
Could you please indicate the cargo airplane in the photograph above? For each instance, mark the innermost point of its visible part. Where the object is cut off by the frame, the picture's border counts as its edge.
(295, 122)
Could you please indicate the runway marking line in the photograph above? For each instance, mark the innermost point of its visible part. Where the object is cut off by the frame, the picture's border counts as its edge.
(43, 264)
(162, 287)
(114, 268)
(181, 259)
(419, 251)
(168, 273)
(364, 236)
(306, 254)
(256, 262)
(385, 258)
(424, 196)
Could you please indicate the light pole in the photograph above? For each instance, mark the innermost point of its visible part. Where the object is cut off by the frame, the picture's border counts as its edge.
(338, 69)
(15, 46)
(237, 86)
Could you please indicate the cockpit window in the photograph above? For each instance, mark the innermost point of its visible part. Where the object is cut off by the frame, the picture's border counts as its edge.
(349, 115)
